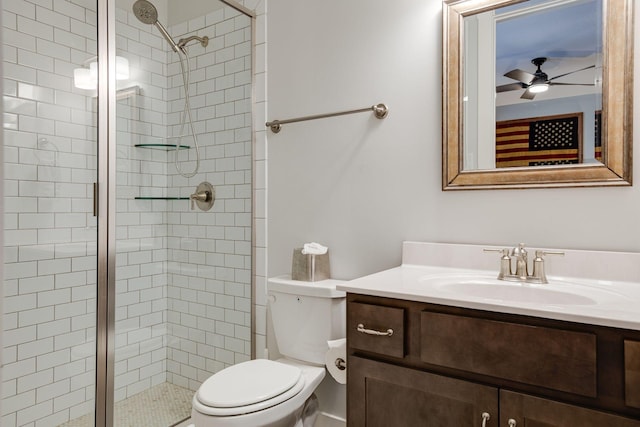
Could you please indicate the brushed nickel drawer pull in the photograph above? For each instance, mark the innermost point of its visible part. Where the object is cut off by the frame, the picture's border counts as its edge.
(485, 417)
(361, 328)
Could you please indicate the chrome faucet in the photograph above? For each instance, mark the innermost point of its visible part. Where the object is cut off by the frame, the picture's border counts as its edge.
(521, 274)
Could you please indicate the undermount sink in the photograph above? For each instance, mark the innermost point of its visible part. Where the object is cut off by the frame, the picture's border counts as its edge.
(489, 288)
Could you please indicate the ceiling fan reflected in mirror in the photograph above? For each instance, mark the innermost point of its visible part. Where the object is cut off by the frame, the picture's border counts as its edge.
(538, 82)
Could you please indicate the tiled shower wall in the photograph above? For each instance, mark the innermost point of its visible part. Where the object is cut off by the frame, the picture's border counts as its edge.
(141, 225)
(50, 233)
(183, 277)
(209, 268)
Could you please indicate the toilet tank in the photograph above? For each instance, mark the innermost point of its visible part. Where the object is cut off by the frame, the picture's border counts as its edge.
(305, 316)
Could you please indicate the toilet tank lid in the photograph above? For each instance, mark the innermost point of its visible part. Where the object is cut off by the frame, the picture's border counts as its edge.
(321, 288)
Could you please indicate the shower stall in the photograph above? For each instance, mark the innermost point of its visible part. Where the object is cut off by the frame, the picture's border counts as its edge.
(121, 295)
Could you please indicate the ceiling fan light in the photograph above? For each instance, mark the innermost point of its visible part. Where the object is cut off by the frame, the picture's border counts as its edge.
(539, 88)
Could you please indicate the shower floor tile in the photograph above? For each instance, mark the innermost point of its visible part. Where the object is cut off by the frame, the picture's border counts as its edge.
(163, 405)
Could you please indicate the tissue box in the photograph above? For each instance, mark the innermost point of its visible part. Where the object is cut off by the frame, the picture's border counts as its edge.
(309, 268)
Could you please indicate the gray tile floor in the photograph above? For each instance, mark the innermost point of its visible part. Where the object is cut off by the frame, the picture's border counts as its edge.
(164, 405)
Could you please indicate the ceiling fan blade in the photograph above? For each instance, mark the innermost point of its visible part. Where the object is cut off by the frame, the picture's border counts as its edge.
(508, 87)
(571, 72)
(521, 76)
(571, 84)
(528, 95)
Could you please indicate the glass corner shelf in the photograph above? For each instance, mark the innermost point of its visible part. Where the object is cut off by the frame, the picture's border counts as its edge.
(159, 198)
(165, 147)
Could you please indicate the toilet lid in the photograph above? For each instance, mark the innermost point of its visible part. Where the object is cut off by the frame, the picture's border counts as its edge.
(250, 383)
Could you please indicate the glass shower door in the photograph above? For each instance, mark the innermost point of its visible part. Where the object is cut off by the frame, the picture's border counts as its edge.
(50, 232)
(183, 275)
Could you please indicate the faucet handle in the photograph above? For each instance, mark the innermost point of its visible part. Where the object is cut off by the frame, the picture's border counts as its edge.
(539, 275)
(543, 253)
(504, 252)
(505, 262)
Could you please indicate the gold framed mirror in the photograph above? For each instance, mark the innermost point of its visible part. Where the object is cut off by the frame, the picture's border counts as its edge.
(470, 117)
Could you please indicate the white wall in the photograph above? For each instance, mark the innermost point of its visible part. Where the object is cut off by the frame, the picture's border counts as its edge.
(362, 186)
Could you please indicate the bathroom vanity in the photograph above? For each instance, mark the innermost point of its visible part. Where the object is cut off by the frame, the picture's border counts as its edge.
(426, 347)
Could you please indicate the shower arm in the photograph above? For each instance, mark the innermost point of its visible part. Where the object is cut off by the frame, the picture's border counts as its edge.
(204, 41)
(167, 37)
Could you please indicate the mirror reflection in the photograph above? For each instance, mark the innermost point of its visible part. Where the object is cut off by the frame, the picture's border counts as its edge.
(538, 65)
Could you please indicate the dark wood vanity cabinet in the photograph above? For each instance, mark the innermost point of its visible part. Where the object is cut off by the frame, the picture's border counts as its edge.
(385, 395)
(531, 411)
(419, 364)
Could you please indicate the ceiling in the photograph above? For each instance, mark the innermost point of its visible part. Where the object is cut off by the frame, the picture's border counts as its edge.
(567, 32)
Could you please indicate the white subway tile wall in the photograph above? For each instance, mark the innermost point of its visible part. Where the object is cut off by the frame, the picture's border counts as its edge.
(141, 225)
(209, 253)
(183, 277)
(50, 232)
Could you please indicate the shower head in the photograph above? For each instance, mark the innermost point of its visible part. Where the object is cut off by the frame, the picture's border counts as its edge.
(148, 14)
(145, 12)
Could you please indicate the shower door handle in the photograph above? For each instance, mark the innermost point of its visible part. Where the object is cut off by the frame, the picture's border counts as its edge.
(95, 199)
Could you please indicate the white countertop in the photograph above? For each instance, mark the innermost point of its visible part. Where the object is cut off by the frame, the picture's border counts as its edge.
(592, 300)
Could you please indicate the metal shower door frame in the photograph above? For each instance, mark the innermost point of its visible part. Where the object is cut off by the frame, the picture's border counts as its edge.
(106, 208)
(105, 322)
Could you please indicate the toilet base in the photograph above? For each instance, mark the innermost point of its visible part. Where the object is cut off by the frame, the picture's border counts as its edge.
(310, 412)
(305, 416)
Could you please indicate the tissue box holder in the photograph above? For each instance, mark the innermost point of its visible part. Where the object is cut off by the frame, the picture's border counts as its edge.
(309, 268)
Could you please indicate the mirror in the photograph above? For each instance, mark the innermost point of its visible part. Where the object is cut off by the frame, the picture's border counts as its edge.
(537, 93)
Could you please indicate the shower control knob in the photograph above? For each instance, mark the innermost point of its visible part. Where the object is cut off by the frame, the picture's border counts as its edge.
(204, 196)
(201, 197)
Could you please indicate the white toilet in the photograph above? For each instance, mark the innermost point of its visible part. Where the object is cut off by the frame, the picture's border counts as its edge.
(267, 393)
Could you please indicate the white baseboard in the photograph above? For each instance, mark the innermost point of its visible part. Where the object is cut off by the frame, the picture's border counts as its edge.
(328, 420)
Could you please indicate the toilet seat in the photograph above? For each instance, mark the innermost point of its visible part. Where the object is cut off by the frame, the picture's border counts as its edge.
(248, 387)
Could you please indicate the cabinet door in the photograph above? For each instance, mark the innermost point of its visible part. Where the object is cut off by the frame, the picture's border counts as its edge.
(383, 395)
(529, 411)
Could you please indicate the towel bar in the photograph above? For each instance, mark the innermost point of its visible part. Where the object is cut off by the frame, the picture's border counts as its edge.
(379, 110)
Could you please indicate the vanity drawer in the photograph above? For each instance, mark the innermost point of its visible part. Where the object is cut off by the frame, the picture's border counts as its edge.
(553, 358)
(632, 373)
(376, 328)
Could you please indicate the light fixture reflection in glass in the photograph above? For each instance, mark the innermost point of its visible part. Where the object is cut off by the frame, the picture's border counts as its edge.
(82, 79)
(87, 78)
(122, 68)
